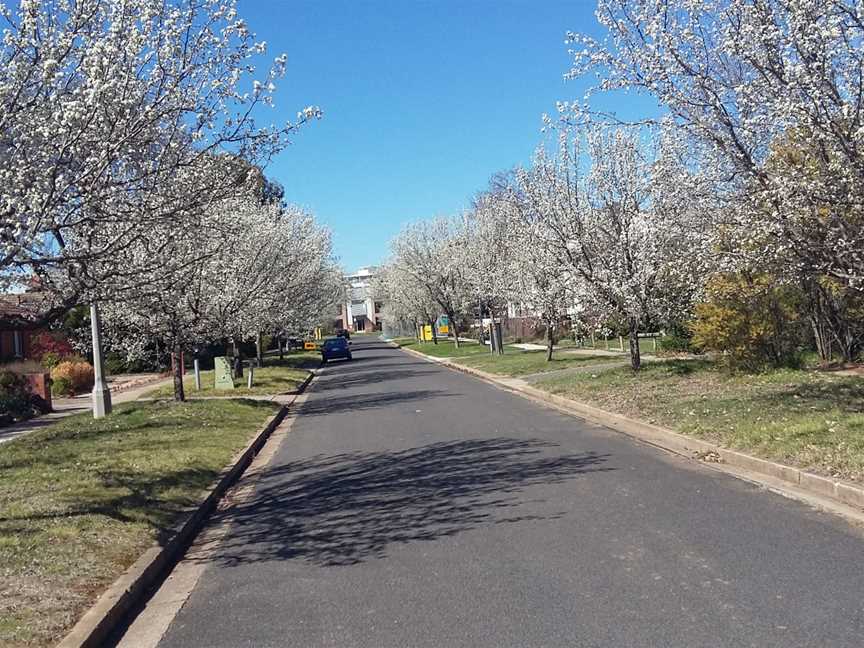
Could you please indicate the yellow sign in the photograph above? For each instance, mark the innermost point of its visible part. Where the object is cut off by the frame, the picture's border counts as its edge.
(426, 333)
(309, 346)
(444, 329)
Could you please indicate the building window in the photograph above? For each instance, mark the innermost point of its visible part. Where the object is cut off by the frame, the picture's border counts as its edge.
(17, 344)
(378, 306)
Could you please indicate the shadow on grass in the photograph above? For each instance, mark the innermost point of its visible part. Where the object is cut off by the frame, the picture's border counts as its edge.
(146, 499)
(114, 484)
(846, 396)
(347, 508)
(678, 367)
(304, 362)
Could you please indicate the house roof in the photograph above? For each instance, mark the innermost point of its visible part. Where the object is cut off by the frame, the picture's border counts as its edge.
(21, 310)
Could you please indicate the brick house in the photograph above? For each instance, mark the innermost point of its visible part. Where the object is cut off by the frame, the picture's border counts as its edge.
(17, 314)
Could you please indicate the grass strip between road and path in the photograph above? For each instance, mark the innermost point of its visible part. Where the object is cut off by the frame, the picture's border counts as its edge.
(82, 499)
(275, 377)
(805, 418)
(514, 361)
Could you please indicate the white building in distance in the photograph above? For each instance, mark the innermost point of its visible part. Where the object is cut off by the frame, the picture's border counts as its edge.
(359, 312)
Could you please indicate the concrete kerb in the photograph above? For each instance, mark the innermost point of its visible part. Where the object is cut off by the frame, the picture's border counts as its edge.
(844, 493)
(131, 588)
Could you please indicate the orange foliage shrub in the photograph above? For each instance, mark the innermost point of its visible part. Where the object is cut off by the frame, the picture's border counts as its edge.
(75, 373)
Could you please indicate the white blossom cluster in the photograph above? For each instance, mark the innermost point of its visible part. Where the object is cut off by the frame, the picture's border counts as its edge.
(755, 165)
(118, 119)
(771, 95)
(613, 242)
(246, 268)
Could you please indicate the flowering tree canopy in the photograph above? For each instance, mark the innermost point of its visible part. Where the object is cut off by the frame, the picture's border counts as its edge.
(749, 80)
(118, 119)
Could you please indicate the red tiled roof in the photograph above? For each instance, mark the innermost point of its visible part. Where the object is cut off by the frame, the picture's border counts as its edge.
(23, 307)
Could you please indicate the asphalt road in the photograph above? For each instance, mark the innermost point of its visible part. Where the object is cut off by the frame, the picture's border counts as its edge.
(415, 506)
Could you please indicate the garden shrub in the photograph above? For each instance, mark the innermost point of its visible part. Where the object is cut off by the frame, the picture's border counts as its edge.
(51, 360)
(78, 373)
(49, 347)
(676, 341)
(751, 321)
(15, 398)
(115, 363)
(62, 387)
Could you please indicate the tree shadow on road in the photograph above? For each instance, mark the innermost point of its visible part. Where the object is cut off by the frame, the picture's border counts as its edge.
(344, 509)
(323, 405)
(344, 380)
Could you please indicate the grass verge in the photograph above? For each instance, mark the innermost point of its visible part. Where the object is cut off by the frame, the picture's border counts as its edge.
(276, 377)
(514, 362)
(80, 501)
(521, 363)
(445, 348)
(808, 419)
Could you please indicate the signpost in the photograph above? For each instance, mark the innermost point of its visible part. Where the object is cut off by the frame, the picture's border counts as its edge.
(224, 376)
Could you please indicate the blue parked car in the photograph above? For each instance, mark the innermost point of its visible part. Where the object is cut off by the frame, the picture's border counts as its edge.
(335, 348)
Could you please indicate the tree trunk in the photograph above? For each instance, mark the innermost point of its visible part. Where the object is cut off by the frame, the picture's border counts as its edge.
(179, 395)
(238, 361)
(281, 348)
(635, 359)
(550, 342)
(434, 332)
(259, 350)
(455, 330)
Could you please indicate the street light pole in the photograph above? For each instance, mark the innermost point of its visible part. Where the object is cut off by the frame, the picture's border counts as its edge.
(101, 393)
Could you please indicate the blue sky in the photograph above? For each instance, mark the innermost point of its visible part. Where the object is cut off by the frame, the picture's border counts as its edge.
(423, 102)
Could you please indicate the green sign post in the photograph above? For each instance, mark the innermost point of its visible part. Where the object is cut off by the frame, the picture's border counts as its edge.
(224, 379)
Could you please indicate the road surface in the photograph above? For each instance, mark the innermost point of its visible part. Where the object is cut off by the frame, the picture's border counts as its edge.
(412, 506)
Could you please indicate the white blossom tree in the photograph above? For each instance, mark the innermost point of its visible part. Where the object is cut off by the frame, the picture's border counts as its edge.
(256, 267)
(774, 92)
(540, 283)
(433, 254)
(623, 256)
(491, 254)
(407, 303)
(118, 119)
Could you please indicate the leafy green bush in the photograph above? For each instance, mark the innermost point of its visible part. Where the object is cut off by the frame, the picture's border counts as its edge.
(62, 386)
(51, 359)
(676, 341)
(115, 363)
(15, 398)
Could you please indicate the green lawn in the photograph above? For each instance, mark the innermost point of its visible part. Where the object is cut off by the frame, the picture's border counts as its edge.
(276, 377)
(514, 362)
(808, 419)
(646, 345)
(445, 348)
(80, 501)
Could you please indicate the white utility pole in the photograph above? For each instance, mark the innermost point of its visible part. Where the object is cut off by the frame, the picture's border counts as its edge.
(101, 393)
